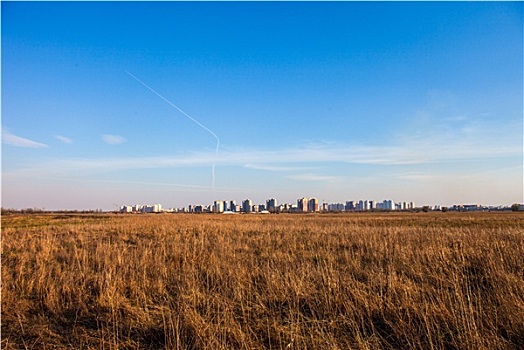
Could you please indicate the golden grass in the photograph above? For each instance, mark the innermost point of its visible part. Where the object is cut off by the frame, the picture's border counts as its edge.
(357, 281)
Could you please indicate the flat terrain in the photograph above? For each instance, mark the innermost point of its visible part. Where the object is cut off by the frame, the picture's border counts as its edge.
(345, 281)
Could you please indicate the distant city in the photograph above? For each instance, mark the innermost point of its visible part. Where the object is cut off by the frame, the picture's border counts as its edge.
(308, 205)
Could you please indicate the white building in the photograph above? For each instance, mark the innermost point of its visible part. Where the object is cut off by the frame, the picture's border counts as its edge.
(302, 204)
(155, 208)
(126, 209)
(218, 207)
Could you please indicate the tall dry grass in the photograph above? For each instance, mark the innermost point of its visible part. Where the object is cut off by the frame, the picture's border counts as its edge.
(390, 281)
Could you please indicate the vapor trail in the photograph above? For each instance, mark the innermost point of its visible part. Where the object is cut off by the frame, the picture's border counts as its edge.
(190, 118)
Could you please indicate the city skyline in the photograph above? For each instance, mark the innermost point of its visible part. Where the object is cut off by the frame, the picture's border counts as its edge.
(271, 205)
(306, 205)
(106, 103)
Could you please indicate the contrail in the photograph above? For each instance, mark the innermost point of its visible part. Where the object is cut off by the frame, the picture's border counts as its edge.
(190, 118)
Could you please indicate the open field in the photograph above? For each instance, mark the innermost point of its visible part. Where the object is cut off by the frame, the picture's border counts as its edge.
(348, 281)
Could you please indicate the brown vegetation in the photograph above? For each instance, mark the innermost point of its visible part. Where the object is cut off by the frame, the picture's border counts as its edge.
(357, 281)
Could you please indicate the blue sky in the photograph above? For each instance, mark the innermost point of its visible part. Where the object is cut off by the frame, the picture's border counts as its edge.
(340, 101)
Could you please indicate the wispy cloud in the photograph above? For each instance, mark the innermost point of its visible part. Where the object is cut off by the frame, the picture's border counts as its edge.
(418, 176)
(63, 139)
(292, 159)
(166, 185)
(441, 131)
(266, 167)
(312, 177)
(113, 139)
(473, 141)
(454, 174)
(17, 141)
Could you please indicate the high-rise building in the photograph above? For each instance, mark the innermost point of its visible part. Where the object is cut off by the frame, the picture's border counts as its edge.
(233, 206)
(302, 204)
(388, 204)
(218, 207)
(313, 205)
(246, 206)
(126, 209)
(155, 208)
(336, 207)
(271, 205)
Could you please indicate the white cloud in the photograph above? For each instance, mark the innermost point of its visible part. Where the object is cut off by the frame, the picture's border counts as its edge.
(63, 139)
(464, 136)
(477, 142)
(418, 176)
(311, 177)
(293, 159)
(13, 140)
(113, 139)
(266, 167)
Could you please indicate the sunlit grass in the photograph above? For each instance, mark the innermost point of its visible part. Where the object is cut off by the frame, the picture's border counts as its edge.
(368, 281)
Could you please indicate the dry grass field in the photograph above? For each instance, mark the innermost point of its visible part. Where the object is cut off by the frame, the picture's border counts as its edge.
(347, 281)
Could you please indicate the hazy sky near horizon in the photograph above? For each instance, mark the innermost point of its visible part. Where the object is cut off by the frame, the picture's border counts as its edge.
(409, 101)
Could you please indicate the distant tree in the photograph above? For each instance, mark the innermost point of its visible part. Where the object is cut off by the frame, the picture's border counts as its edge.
(515, 207)
(8, 211)
(444, 209)
(425, 208)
